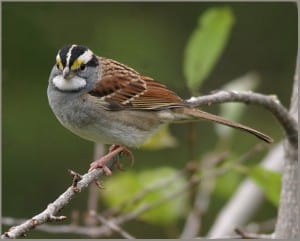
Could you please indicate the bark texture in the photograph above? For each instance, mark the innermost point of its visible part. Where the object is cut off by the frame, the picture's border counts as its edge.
(287, 226)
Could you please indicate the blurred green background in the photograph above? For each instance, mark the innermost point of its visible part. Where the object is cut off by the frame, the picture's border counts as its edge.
(150, 37)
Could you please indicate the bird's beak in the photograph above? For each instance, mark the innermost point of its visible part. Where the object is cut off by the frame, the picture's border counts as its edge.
(67, 74)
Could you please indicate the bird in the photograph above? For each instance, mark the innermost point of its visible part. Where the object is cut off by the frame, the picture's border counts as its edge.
(103, 100)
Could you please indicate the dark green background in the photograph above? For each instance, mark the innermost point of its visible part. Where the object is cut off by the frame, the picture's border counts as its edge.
(37, 150)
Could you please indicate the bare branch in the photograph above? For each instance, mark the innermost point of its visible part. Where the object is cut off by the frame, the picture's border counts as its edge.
(266, 226)
(246, 200)
(162, 183)
(288, 226)
(113, 226)
(104, 229)
(90, 231)
(247, 235)
(193, 222)
(249, 194)
(58, 204)
(93, 231)
(93, 192)
(269, 102)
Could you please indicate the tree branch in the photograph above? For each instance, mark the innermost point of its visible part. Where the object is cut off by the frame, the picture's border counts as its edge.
(247, 235)
(245, 201)
(93, 231)
(202, 196)
(269, 102)
(193, 223)
(288, 226)
(93, 192)
(288, 217)
(113, 226)
(53, 208)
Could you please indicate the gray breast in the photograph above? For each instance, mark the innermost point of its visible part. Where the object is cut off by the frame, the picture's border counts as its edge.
(70, 108)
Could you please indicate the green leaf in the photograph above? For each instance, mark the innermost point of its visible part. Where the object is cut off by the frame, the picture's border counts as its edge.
(269, 181)
(121, 188)
(206, 44)
(162, 139)
(125, 185)
(234, 111)
(227, 184)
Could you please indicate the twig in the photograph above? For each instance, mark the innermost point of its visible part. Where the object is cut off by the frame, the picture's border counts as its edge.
(102, 230)
(269, 102)
(146, 207)
(90, 231)
(247, 235)
(201, 198)
(262, 227)
(164, 182)
(193, 222)
(113, 226)
(67, 196)
(76, 178)
(93, 192)
(246, 199)
(58, 204)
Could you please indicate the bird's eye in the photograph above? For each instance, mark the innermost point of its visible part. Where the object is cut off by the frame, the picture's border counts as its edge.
(57, 66)
(82, 67)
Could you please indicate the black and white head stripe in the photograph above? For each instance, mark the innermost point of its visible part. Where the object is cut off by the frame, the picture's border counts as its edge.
(73, 56)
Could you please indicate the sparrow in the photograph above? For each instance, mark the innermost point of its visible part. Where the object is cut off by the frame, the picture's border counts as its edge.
(102, 100)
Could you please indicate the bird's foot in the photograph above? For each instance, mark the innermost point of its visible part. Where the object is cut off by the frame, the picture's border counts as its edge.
(113, 151)
(125, 151)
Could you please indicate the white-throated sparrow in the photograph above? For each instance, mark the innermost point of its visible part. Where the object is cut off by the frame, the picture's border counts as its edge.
(105, 101)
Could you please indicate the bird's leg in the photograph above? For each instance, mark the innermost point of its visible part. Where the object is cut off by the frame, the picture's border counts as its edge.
(113, 151)
(126, 151)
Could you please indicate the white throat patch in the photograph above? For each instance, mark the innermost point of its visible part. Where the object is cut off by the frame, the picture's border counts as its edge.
(74, 83)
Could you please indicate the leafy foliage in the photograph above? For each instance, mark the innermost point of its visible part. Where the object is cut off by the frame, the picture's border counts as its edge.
(202, 51)
(227, 184)
(206, 45)
(124, 186)
(269, 181)
(162, 139)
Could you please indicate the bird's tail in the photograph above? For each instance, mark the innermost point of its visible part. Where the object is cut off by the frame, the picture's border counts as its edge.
(187, 114)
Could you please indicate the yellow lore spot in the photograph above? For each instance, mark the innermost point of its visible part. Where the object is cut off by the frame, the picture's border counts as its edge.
(59, 63)
(76, 64)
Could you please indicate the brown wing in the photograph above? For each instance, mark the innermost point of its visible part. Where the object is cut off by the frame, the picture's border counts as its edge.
(121, 87)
